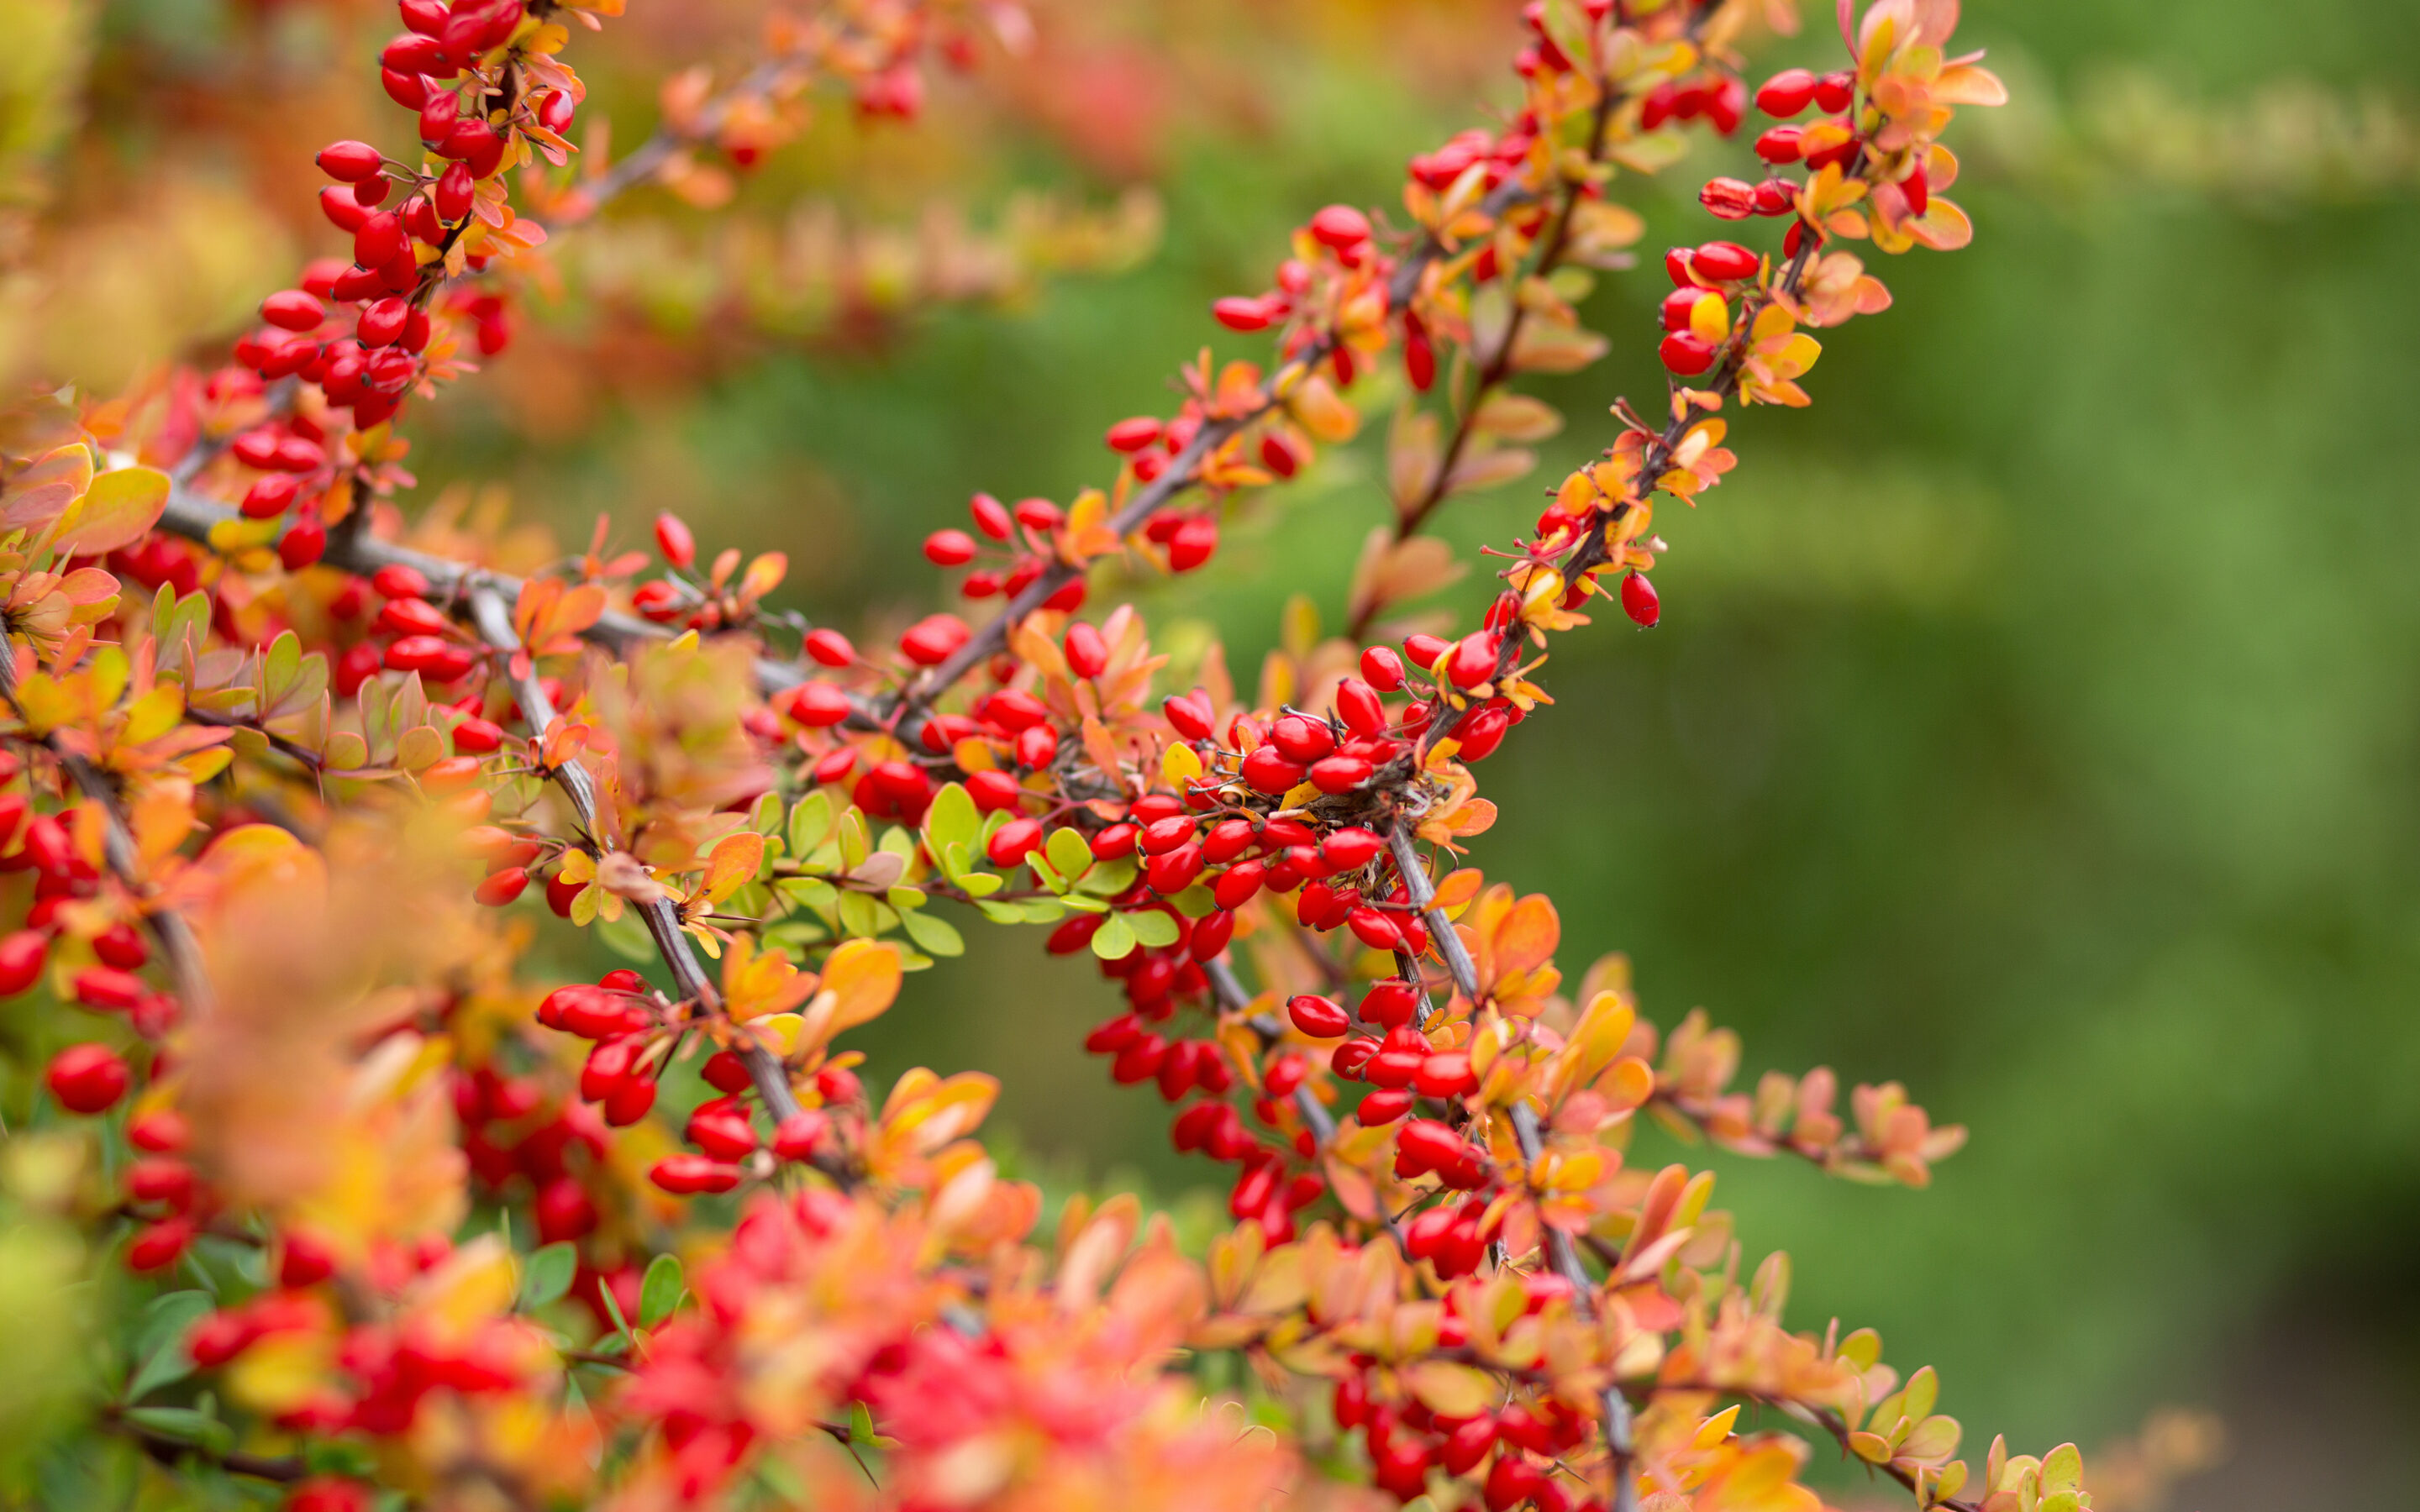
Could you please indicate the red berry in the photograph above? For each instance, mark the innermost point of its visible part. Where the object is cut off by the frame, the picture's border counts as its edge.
(1014, 842)
(398, 579)
(673, 538)
(1730, 199)
(501, 888)
(1302, 739)
(798, 1134)
(829, 647)
(1133, 434)
(1724, 262)
(1268, 771)
(1088, 655)
(382, 324)
(86, 1078)
(1425, 650)
(1383, 668)
(1481, 733)
(379, 240)
(1340, 774)
(816, 705)
(1786, 93)
(1321, 1018)
(1038, 515)
(1778, 145)
(476, 736)
(1834, 92)
(1638, 600)
(1349, 849)
(994, 792)
(689, 1175)
(158, 1247)
(990, 516)
(1341, 227)
(455, 191)
(930, 641)
(1686, 353)
(1242, 314)
(1196, 539)
(1473, 661)
(121, 945)
(1191, 714)
(348, 162)
(949, 548)
(293, 310)
(1357, 705)
(1727, 105)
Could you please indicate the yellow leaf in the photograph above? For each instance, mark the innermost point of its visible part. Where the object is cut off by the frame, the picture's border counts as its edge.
(1449, 1389)
(863, 977)
(734, 864)
(120, 509)
(1179, 765)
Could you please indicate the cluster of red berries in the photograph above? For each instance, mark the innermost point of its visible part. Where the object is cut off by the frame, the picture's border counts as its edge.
(360, 330)
(1785, 95)
(1697, 315)
(388, 1371)
(625, 1023)
(1512, 1451)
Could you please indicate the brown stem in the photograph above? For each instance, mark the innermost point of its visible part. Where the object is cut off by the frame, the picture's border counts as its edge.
(1566, 1261)
(661, 919)
(168, 1450)
(1498, 365)
(118, 849)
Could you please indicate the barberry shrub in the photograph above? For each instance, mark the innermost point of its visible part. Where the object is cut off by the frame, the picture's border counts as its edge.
(294, 778)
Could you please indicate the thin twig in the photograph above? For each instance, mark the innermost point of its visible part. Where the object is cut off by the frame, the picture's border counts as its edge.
(1566, 1261)
(117, 848)
(662, 920)
(1449, 944)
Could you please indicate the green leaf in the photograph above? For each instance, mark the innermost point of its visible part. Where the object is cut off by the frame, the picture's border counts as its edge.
(185, 1425)
(980, 883)
(1044, 870)
(951, 819)
(853, 841)
(937, 936)
(766, 817)
(1000, 913)
(662, 1289)
(160, 1342)
(811, 823)
(1152, 927)
(1195, 901)
(1070, 856)
(626, 938)
(280, 668)
(1108, 878)
(899, 841)
(858, 914)
(815, 892)
(1116, 939)
(905, 899)
(621, 1340)
(1044, 911)
(547, 1274)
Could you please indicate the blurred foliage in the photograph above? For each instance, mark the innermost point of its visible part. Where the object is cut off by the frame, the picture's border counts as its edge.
(2035, 722)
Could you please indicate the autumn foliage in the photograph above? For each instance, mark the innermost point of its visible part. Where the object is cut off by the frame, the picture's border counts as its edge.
(295, 775)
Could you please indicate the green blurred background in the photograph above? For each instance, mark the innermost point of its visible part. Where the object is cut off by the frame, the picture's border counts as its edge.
(2032, 720)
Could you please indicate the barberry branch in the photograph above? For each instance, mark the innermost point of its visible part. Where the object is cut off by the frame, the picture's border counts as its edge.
(1566, 1261)
(119, 851)
(660, 916)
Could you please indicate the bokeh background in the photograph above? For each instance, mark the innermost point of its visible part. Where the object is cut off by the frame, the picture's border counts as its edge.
(2035, 720)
